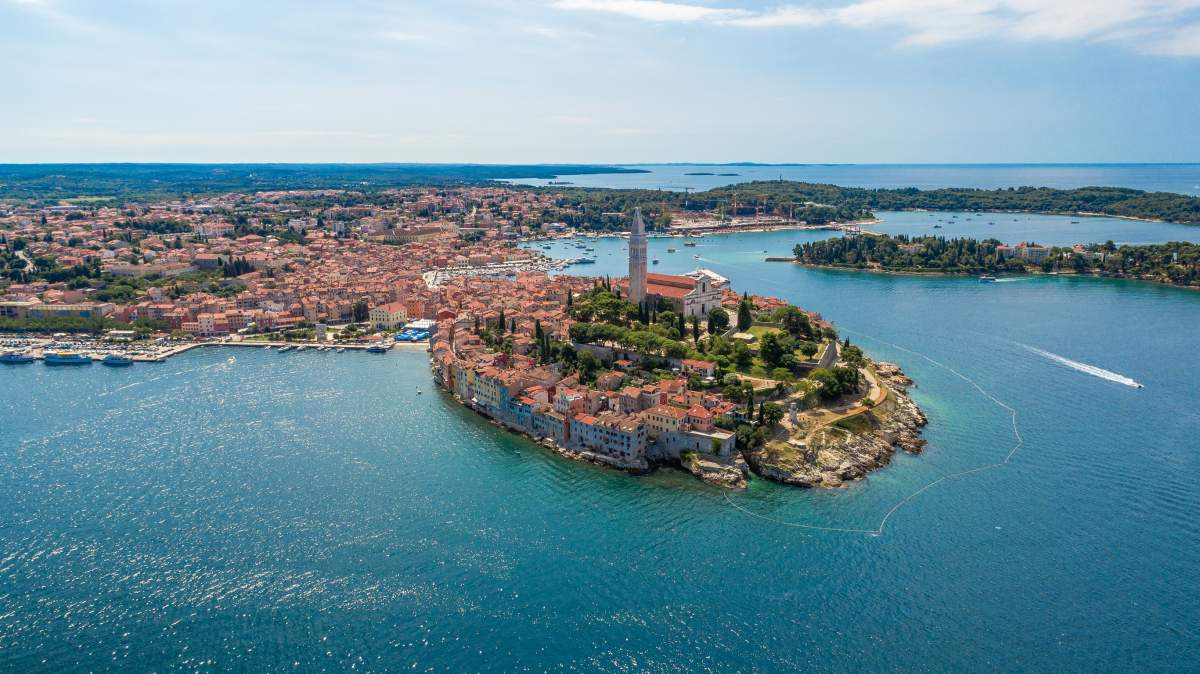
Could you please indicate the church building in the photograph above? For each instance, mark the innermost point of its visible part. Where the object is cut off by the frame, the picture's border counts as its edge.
(693, 295)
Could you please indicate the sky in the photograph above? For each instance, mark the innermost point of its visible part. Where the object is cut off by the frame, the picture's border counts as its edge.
(600, 81)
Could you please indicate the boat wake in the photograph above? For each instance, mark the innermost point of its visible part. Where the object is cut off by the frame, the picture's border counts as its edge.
(1084, 367)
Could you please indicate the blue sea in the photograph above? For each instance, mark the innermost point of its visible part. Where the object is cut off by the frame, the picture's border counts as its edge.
(245, 510)
(1181, 178)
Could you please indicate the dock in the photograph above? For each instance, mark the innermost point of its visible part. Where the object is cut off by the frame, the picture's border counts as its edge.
(162, 353)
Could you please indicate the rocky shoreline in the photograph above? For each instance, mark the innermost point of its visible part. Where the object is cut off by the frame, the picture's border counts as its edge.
(834, 454)
(727, 473)
(829, 457)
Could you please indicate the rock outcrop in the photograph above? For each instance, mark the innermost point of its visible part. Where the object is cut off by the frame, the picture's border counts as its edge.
(725, 472)
(831, 455)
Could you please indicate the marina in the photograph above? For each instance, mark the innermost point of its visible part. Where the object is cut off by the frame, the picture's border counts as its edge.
(55, 353)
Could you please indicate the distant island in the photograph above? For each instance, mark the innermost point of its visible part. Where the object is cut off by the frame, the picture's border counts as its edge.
(818, 204)
(1175, 263)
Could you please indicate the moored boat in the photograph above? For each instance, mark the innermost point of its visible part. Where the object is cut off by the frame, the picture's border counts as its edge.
(375, 348)
(65, 358)
(15, 357)
(113, 360)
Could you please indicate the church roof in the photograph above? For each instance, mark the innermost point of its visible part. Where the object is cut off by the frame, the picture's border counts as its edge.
(666, 285)
(670, 280)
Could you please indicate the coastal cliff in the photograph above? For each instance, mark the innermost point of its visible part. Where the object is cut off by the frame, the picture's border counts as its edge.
(831, 454)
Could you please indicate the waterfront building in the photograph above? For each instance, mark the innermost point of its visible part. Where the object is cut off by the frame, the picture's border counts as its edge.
(81, 310)
(615, 435)
(674, 430)
(388, 316)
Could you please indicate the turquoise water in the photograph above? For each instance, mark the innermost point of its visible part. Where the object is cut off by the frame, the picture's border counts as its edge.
(1181, 178)
(311, 512)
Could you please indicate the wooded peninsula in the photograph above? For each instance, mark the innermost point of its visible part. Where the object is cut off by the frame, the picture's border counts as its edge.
(1175, 263)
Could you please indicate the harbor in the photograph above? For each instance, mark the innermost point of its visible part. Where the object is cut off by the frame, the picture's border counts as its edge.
(88, 352)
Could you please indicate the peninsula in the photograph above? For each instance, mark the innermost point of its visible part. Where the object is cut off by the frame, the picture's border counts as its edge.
(1175, 263)
(660, 369)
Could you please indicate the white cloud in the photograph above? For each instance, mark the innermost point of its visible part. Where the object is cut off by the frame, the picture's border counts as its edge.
(1152, 26)
(1182, 42)
(780, 17)
(653, 10)
(52, 14)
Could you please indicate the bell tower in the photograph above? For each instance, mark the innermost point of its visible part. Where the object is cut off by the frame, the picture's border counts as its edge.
(637, 259)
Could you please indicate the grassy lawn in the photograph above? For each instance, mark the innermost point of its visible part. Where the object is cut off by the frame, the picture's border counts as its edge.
(87, 200)
(857, 424)
(759, 330)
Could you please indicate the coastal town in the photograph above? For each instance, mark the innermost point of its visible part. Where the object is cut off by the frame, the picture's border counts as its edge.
(629, 373)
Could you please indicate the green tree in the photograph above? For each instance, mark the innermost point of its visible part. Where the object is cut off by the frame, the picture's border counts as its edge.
(770, 414)
(718, 320)
(744, 317)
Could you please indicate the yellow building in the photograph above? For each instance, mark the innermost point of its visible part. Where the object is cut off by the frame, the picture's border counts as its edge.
(389, 316)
